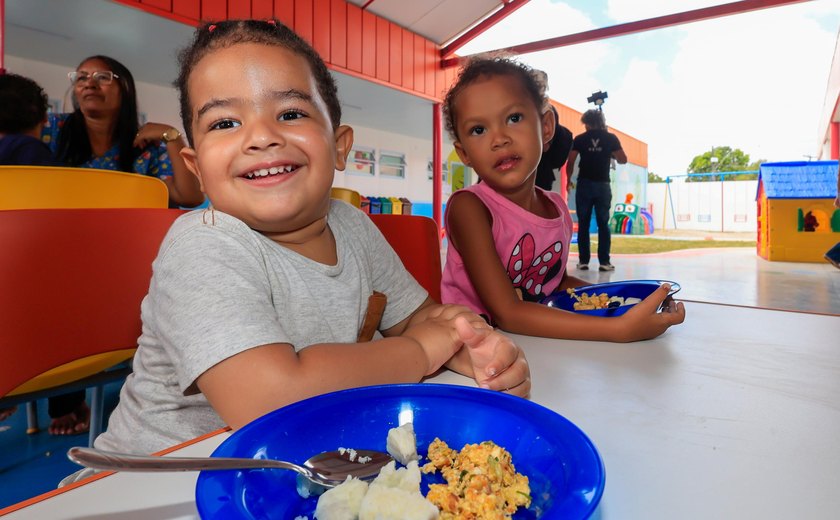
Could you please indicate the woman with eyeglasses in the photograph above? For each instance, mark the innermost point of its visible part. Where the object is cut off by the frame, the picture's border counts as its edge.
(103, 131)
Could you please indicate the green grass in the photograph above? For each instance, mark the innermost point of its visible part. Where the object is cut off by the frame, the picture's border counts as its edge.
(627, 245)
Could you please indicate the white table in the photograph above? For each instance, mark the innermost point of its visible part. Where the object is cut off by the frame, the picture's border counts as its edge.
(734, 414)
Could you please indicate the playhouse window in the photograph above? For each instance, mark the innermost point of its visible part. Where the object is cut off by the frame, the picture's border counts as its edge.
(812, 220)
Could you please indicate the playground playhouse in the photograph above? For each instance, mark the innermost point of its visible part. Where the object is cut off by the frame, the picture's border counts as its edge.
(797, 221)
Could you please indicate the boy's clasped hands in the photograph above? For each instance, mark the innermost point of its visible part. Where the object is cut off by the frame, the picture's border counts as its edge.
(455, 337)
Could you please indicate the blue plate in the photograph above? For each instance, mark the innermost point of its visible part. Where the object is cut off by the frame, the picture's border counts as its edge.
(627, 289)
(565, 471)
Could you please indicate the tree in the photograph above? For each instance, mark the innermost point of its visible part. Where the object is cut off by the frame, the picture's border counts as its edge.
(652, 177)
(722, 159)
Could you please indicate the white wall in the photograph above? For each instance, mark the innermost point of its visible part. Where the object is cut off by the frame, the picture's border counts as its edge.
(706, 206)
(416, 185)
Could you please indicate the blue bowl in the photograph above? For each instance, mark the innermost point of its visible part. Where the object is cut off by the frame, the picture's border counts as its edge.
(627, 289)
(565, 470)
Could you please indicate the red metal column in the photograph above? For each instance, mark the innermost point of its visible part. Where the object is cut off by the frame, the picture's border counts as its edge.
(2, 36)
(565, 172)
(437, 170)
(834, 144)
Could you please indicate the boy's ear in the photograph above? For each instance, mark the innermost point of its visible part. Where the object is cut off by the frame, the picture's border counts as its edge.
(191, 160)
(343, 145)
(462, 153)
(549, 124)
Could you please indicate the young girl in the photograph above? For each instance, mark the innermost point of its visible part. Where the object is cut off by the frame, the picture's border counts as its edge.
(508, 240)
(257, 302)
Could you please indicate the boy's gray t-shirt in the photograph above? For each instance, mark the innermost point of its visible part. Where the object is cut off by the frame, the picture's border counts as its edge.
(219, 288)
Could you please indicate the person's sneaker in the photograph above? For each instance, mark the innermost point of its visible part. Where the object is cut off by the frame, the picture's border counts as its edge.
(833, 262)
(606, 267)
(583, 267)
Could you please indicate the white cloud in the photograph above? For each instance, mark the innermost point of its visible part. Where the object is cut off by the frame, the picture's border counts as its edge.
(623, 11)
(573, 71)
(753, 81)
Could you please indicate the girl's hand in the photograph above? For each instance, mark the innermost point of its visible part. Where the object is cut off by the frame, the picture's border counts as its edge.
(644, 321)
(497, 362)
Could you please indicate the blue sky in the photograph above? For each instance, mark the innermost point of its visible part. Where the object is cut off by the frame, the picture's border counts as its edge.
(754, 81)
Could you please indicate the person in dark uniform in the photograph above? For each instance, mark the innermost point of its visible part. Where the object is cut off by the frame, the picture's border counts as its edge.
(597, 148)
(555, 156)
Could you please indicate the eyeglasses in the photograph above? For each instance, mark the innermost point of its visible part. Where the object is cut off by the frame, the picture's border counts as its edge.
(102, 77)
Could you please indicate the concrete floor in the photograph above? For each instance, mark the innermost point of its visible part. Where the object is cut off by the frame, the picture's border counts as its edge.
(730, 275)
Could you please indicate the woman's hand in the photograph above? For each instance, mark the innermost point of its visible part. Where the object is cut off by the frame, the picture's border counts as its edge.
(151, 133)
(183, 186)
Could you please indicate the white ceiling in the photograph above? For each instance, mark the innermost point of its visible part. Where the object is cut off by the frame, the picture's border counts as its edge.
(63, 32)
(436, 20)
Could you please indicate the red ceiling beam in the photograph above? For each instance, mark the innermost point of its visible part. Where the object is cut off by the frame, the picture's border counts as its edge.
(508, 6)
(659, 22)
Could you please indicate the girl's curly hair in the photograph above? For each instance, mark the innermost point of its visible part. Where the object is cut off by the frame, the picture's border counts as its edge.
(481, 66)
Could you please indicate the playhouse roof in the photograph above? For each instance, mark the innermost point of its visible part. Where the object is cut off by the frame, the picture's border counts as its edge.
(799, 180)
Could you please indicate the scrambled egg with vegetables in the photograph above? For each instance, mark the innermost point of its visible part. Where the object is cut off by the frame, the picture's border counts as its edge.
(482, 482)
(585, 302)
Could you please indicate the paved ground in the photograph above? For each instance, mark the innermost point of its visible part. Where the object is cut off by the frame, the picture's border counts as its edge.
(734, 275)
(688, 234)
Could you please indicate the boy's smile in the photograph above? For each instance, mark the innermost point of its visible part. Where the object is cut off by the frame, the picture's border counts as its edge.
(500, 131)
(264, 147)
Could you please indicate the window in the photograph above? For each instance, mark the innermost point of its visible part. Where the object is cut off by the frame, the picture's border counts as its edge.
(361, 161)
(444, 166)
(392, 164)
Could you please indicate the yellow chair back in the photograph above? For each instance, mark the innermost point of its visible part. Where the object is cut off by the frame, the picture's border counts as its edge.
(45, 187)
(346, 194)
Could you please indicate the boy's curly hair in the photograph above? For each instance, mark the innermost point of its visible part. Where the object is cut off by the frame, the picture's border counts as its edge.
(23, 104)
(481, 66)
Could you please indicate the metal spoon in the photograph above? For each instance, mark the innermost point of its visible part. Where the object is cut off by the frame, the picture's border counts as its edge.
(327, 469)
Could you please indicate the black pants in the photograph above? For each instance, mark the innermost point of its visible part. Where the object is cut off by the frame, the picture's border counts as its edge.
(598, 196)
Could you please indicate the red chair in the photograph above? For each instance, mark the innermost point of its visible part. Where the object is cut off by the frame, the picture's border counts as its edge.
(72, 283)
(415, 239)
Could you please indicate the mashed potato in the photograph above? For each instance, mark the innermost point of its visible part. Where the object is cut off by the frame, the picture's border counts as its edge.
(343, 501)
(402, 444)
(481, 482)
(393, 495)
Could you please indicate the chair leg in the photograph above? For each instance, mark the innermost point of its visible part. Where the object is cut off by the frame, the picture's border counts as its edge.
(97, 405)
(32, 418)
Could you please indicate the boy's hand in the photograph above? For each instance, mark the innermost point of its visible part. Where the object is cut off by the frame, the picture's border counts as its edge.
(497, 362)
(438, 338)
